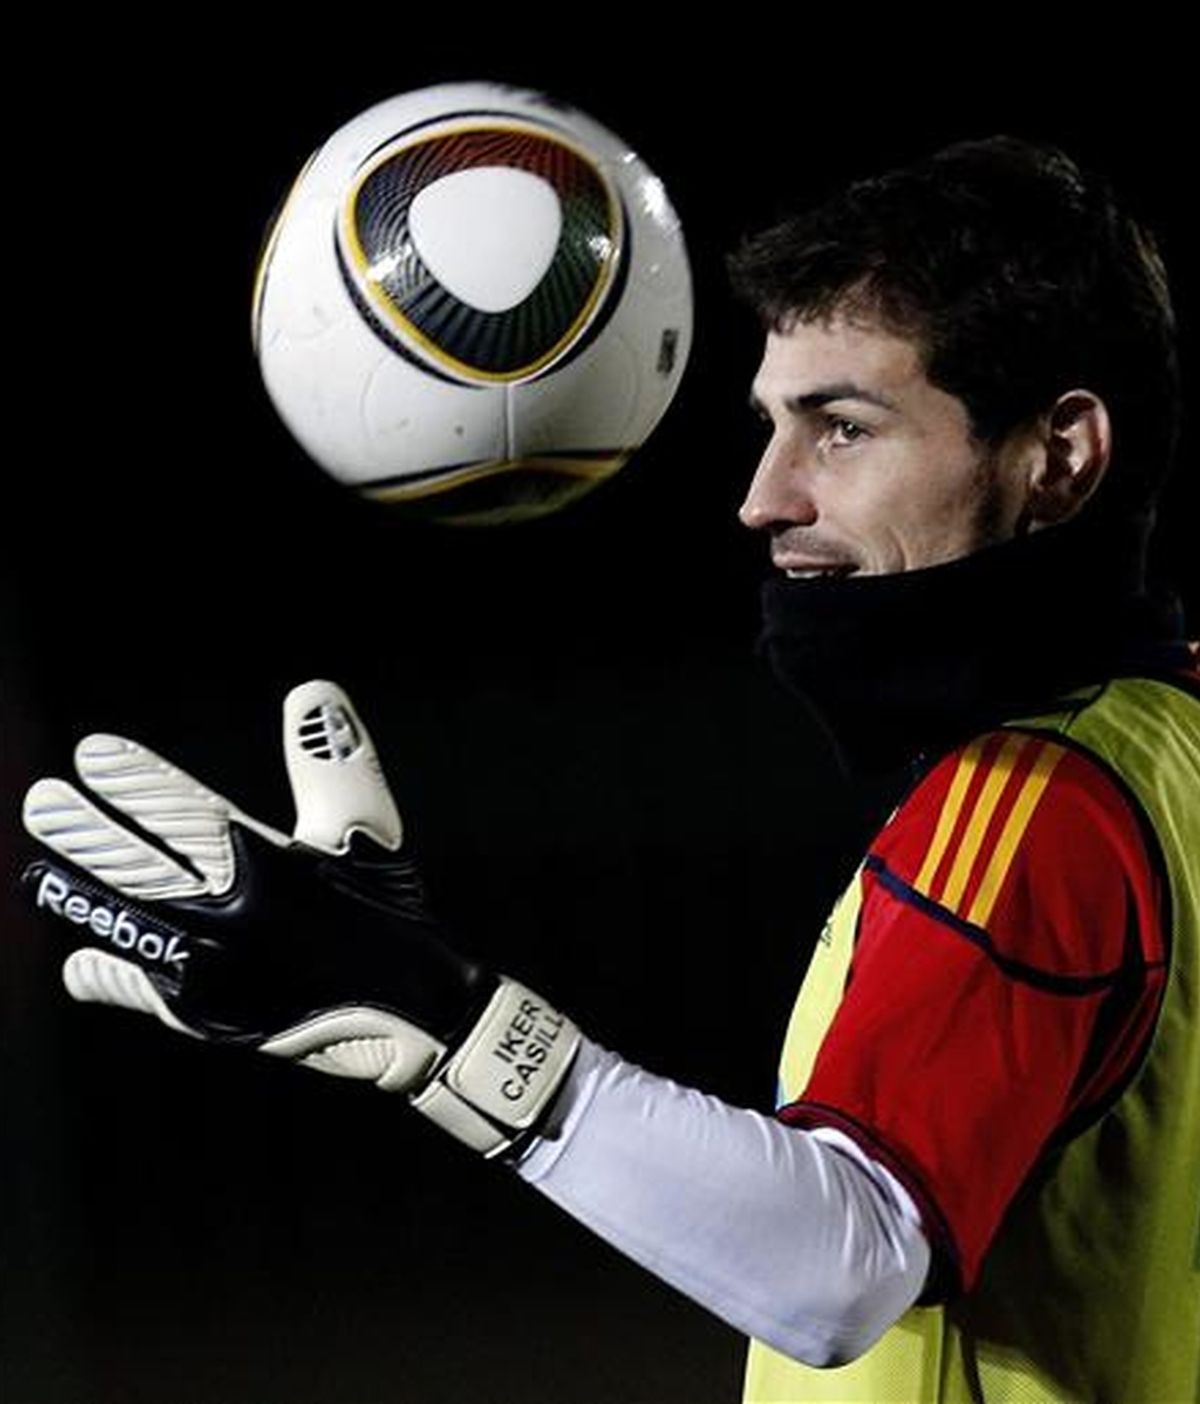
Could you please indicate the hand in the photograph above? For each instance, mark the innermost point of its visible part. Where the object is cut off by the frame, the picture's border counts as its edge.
(315, 946)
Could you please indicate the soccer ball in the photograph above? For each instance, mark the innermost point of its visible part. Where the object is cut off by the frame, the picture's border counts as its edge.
(475, 301)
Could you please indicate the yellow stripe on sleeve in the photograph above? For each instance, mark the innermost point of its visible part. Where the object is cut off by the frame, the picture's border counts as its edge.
(967, 764)
(1012, 833)
(985, 806)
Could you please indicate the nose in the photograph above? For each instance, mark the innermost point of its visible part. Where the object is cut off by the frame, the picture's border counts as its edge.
(779, 492)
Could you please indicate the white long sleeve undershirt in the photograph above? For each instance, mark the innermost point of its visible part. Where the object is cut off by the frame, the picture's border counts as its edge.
(795, 1237)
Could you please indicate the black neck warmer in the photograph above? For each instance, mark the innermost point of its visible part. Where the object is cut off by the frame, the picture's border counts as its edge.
(899, 665)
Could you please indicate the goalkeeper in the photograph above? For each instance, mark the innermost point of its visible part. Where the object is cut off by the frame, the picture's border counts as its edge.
(988, 1145)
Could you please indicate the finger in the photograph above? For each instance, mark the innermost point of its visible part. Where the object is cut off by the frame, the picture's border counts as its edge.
(337, 781)
(67, 822)
(164, 800)
(167, 802)
(99, 977)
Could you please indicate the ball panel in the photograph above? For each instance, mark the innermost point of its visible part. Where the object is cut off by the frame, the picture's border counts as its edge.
(587, 404)
(415, 424)
(266, 254)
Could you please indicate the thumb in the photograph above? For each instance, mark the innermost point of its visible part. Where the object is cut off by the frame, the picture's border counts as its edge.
(337, 781)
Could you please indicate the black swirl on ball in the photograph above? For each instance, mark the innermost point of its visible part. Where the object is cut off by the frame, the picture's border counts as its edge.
(451, 333)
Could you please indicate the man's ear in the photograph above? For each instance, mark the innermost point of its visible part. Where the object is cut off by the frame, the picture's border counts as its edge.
(1076, 444)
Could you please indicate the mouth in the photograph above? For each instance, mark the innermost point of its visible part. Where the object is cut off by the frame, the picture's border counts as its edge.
(828, 571)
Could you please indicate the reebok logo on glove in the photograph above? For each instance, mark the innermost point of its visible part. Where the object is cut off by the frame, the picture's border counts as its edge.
(55, 894)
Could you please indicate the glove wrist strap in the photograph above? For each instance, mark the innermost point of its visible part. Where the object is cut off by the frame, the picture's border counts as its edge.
(501, 1079)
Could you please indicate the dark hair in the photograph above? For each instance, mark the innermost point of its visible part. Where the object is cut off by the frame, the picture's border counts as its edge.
(1018, 276)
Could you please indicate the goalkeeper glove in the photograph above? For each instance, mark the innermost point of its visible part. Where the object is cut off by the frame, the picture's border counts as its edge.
(315, 947)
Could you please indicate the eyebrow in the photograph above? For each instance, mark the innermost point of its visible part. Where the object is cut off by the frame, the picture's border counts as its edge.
(825, 394)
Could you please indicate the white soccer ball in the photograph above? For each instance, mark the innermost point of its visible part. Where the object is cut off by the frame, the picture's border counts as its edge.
(475, 301)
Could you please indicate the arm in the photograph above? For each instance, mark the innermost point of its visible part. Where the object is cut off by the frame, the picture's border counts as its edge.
(979, 1023)
(316, 947)
(793, 1237)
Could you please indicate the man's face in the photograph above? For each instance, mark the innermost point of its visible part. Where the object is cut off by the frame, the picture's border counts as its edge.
(871, 469)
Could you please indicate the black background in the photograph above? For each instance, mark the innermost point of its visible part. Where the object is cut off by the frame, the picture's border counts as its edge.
(609, 797)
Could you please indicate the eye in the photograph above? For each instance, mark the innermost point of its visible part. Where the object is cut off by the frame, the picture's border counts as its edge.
(843, 433)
